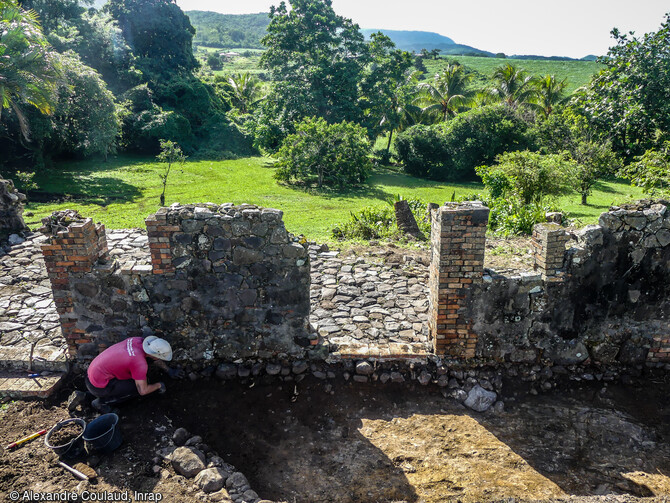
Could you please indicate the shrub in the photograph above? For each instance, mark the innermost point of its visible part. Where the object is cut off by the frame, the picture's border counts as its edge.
(375, 222)
(370, 223)
(511, 217)
(527, 176)
(452, 150)
(325, 154)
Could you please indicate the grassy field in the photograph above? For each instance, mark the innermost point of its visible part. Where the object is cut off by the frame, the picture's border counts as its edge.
(578, 73)
(123, 191)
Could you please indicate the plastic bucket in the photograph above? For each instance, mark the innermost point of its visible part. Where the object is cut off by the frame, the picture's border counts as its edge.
(72, 448)
(103, 434)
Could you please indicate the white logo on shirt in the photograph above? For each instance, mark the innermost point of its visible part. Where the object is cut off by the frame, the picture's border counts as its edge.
(129, 347)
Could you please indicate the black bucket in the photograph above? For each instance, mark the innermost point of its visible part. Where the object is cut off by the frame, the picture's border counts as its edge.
(103, 435)
(72, 448)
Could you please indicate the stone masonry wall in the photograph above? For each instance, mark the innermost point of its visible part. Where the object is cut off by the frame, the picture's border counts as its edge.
(11, 209)
(220, 283)
(605, 300)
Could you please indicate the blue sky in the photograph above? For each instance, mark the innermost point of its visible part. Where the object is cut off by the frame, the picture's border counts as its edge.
(572, 28)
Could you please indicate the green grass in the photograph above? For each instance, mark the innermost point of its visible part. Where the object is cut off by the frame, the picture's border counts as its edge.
(578, 73)
(123, 191)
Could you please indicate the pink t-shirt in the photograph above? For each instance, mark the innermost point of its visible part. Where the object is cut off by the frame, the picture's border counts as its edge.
(124, 360)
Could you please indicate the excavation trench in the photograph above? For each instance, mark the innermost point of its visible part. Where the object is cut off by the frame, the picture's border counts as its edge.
(350, 442)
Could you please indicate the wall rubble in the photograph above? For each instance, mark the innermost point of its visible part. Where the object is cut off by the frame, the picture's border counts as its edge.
(11, 209)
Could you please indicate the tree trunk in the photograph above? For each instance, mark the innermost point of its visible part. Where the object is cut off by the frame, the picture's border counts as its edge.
(584, 195)
(388, 146)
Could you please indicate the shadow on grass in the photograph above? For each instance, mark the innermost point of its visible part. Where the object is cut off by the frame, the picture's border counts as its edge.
(602, 187)
(74, 182)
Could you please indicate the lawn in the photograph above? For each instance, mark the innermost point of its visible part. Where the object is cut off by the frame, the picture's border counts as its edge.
(122, 192)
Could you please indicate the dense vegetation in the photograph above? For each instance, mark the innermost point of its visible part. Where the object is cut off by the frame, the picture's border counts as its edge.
(78, 82)
(119, 78)
(228, 30)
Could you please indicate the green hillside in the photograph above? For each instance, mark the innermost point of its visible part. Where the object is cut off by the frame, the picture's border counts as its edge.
(228, 30)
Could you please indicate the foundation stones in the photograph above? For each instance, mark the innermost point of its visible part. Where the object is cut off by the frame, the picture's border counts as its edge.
(210, 480)
(479, 399)
(188, 461)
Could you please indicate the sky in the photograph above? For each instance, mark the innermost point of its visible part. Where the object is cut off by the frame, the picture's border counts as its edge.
(573, 28)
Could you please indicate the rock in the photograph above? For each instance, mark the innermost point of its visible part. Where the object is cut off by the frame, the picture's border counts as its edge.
(180, 436)
(424, 377)
(221, 496)
(299, 367)
(359, 378)
(197, 439)
(479, 399)
(76, 398)
(459, 394)
(273, 369)
(188, 461)
(211, 479)
(226, 371)
(15, 239)
(236, 480)
(498, 407)
(364, 368)
(397, 377)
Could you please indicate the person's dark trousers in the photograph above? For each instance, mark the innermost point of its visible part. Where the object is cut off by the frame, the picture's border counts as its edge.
(116, 391)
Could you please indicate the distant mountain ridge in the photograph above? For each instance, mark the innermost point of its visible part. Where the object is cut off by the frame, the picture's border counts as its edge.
(414, 41)
(247, 30)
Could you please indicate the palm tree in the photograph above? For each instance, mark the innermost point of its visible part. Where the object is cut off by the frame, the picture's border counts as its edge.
(28, 68)
(447, 95)
(402, 112)
(246, 91)
(512, 86)
(549, 93)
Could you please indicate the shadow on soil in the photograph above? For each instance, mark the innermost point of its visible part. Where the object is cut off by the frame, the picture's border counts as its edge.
(369, 443)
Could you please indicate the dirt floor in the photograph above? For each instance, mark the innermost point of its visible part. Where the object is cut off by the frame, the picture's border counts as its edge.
(344, 442)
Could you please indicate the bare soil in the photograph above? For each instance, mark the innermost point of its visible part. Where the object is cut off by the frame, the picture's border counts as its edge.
(65, 435)
(349, 442)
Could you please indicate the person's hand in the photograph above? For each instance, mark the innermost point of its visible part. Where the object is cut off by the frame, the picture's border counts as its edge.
(162, 389)
(176, 373)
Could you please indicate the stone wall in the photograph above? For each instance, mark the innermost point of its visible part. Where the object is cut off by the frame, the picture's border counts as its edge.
(219, 282)
(605, 300)
(11, 210)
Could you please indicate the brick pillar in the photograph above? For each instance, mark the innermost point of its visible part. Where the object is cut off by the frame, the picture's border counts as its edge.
(549, 248)
(458, 238)
(660, 349)
(159, 232)
(68, 254)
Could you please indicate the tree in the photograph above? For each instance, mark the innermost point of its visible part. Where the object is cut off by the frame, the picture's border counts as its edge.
(246, 91)
(594, 160)
(651, 171)
(549, 93)
(629, 101)
(28, 69)
(382, 88)
(447, 95)
(170, 154)
(317, 60)
(512, 86)
(325, 154)
(158, 32)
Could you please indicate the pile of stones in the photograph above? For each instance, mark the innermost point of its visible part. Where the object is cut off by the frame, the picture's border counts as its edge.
(215, 479)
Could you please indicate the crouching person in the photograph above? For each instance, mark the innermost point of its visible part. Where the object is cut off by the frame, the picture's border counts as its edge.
(119, 373)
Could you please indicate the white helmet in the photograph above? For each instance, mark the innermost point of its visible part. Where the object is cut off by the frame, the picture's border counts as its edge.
(155, 346)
